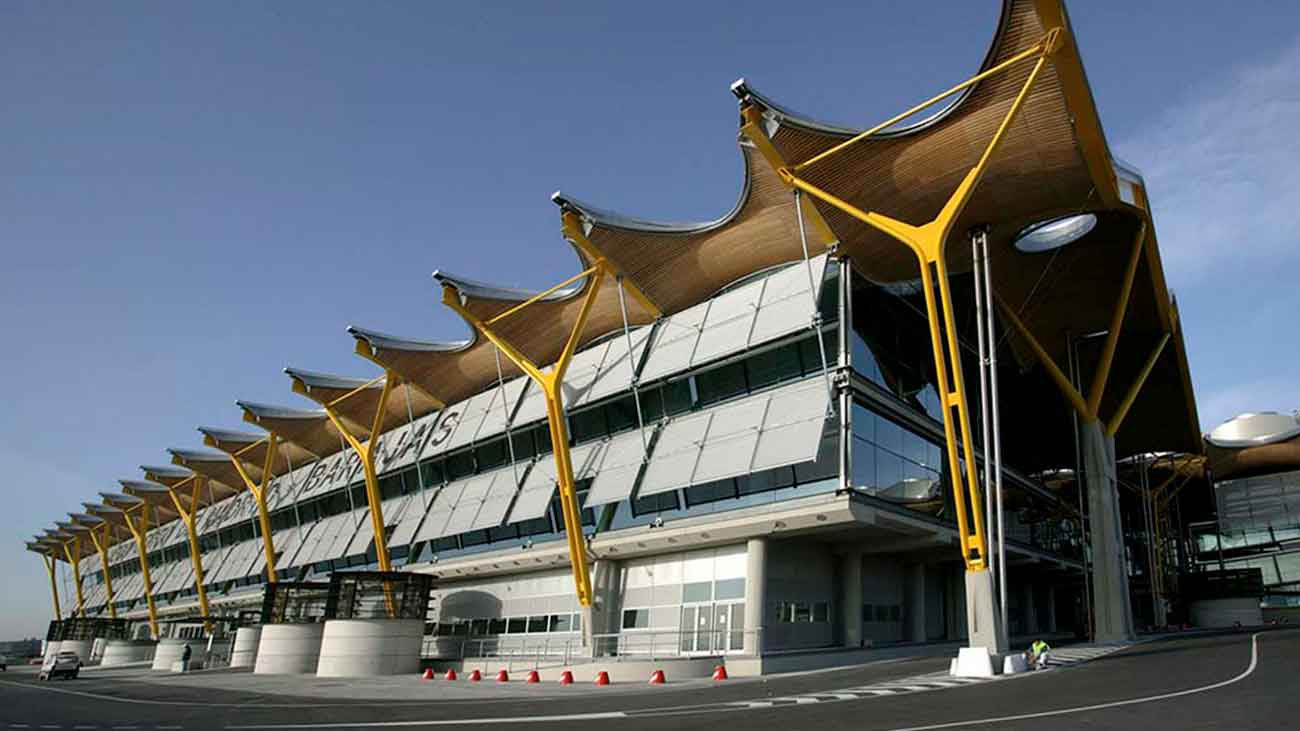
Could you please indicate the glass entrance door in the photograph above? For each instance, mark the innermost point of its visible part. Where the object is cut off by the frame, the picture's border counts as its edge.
(712, 629)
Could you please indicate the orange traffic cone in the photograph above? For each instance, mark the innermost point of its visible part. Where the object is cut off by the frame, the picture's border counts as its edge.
(566, 678)
(533, 677)
(602, 678)
(720, 672)
(428, 674)
(475, 675)
(451, 674)
(503, 676)
(657, 677)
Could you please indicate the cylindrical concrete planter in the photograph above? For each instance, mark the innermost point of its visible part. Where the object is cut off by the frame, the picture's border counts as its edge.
(168, 653)
(362, 648)
(288, 649)
(244, 652)
(120, 652)
(81, 647)
(97, 649)
(52, 648)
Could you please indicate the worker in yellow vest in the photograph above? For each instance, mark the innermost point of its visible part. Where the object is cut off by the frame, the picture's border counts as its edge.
(1038, 653)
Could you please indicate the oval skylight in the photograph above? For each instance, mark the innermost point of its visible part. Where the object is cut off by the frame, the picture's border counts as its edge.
(1055, 233)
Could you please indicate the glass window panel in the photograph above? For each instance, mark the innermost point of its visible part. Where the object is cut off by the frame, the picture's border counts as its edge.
(458, 465)
(710, 492)
(676, 397)
(729, 589)
(587, 424)
(821, 612)
(492, 454)
(721, 383)
(659, 503)
(516, 625)
(864, 464)
(538, 623)
(764, 481)
(636, 618)
(561, 622)
(497, 626)
(773, 366)
(802, 612)
(620, 414)
(889, 469)
(697, 591)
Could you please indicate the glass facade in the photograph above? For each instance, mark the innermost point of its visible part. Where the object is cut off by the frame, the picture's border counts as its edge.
(889, 347)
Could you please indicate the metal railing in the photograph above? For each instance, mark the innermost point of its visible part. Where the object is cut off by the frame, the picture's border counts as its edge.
(537, 651)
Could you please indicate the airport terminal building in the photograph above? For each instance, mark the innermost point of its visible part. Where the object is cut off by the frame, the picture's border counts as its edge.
(745, 437)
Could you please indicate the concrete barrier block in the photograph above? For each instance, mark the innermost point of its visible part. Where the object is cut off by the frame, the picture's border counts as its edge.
(974, 662)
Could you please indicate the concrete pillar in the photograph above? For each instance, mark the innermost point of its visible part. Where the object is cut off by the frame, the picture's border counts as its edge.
(601, 618)
(981, 618)
(756, 594)
(1030, 611)
(1111, 607)
(1051, 609)
(851, 599)
(914, 600)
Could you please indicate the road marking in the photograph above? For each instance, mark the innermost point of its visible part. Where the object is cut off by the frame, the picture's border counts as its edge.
(1254, 661)
(443, 722)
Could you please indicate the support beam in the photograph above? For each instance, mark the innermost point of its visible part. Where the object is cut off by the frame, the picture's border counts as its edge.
(51, 568)
(137, 521)
(188, 514)
(1116, 322)
(366, 451)
(1117, 419)
(575, 232)
(551, 385)
(72, 550)
(1049, 364)
(928, 242)
(101, 547)
(259, 496)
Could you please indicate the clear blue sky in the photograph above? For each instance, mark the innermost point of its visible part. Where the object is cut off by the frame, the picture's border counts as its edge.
(196, 195)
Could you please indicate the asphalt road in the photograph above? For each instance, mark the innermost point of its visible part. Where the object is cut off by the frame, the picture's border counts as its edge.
(1235, 681)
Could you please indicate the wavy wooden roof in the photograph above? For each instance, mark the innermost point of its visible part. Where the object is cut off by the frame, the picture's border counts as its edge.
(1053, 161)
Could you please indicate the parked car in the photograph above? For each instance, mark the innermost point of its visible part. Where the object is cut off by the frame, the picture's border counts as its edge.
(66, 664)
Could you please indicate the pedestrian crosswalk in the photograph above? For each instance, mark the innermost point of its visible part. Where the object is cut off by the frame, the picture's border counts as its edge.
(1064, 657)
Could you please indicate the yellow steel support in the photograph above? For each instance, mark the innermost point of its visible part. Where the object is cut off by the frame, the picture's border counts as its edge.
(72, 550)
(1049, 364)
(1116, 322)
(573, 231)
(188, 515)
(928, 241)
(259, 496)
(551, 385)
(1121, 411)
(753, 129)
(139, 527)
(366, 452)
(101, 547)
(50, 568)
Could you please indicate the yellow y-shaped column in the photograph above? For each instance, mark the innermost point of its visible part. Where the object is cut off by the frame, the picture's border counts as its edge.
(101, 547)
(188, 515)
(550, 384)
(50, 567)
(139, 527)
(72, 550)
(259, 496)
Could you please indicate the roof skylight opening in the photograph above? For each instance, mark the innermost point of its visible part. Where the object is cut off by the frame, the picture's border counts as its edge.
(1054, 233)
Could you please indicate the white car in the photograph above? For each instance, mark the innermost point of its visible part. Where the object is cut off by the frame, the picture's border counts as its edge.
(66, 664)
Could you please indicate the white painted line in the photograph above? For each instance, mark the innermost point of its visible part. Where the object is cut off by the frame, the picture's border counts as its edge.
(1254, 660)
(445, 721)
